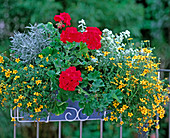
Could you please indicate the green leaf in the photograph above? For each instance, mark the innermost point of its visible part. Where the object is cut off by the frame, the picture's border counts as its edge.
(117, 94)
(94, 75)
(87, 109)
(46, 51)
(51, 74)
(63, 95)
(81, 105)
(98, 83)
(59, 107)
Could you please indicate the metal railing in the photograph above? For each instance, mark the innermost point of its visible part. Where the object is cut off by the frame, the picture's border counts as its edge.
(16, 115)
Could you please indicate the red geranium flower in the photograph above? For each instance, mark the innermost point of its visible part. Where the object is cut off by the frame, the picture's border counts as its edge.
(65, 17)
(92, 37)
(69, 79)
(58, 18)
(71, 34)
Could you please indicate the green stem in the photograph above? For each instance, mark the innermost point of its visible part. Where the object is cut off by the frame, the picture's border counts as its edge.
(83, 90)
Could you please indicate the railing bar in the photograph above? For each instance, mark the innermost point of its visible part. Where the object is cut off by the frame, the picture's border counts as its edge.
(163, 70)
(120, 128)
(15, 126)
(37, 129)
(157, 132)
(59, 129)
(169, 108)
(101, 128)
(169, 119)
(157, 115)
(81, 127)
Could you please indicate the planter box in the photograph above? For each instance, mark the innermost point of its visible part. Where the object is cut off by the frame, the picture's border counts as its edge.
(72, 113)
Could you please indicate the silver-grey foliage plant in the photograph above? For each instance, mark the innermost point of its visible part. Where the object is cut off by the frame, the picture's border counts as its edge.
(26, 46)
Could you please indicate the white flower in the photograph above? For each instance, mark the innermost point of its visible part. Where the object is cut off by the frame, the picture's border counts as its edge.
(82, 22)
(82, 25)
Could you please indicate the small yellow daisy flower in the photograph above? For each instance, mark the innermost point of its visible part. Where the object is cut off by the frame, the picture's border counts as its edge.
(17, 60)
(90, 68)
(40, 56)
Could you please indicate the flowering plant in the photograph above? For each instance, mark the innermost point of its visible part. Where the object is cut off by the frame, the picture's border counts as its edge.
(101, 70)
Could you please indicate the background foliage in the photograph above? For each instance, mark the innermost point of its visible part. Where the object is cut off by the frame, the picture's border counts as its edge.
(146, 19)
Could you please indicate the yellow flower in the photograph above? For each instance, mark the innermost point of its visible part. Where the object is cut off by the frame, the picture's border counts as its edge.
(125, 107)
(24, 82)
(31, 116)
(37, 110)
(90, 68)
(38, 81)
(20, 97)
(146, 41)
(28, 86)
(41, 66)
(112, 58)
(141, 124)
(13, 107)
(121, 123)
(25, 68)
(145, 129)
(16, 77)
(16, 100)
(3, 69)
(1, 59)
(130, 114)
(19, 104)
(31, 66)
(106, 53)
(106, 119)
(29, 104)
(156, 121)
(15, 71)
(34, 100)
(13, 119)
(114, 64)
(41, 106)
(47, 59)
(17, 60)
(126, 79)
(139, 119)
(115, 104)
(130, 39)
(92, 57)
(142, 100)
(36, 93)
(157, 127)
(111, 118)
(44, 87)
(120, 65)
(40, 56)
(117, 42)
(150, 121)
(7, 74)
(120, 48)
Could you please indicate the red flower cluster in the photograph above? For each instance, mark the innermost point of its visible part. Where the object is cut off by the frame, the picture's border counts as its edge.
(69, 79)
(63, 17)
(71, 34)
(91, 36)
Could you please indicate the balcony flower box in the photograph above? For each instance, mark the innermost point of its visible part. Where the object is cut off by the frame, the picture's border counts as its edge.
(101, 70)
